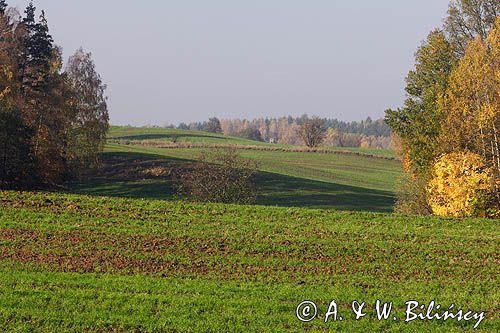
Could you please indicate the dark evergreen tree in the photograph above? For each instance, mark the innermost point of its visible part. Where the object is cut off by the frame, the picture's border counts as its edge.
(28, 21)
(39, 50)
(3, 7)
(16, 158)
(42, 89)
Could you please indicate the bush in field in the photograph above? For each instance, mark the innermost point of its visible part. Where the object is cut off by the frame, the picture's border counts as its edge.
(462, 185)
(220, 176)
(411, 195)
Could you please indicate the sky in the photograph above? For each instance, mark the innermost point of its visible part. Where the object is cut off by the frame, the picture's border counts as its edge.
(172, 61)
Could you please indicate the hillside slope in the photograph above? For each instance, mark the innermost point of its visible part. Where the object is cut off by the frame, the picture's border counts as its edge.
(345, 181)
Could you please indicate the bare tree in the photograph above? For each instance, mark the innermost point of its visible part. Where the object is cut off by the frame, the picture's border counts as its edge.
(219, 176)
(313, 131)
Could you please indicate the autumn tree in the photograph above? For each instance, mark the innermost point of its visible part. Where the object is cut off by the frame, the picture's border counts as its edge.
(418, 123)
(90, 123)
(38, 103)
(472, 103)
(333, 138)
(250, 133)
(445, 92)
(469, 19)
(461, 185)
(313, 131)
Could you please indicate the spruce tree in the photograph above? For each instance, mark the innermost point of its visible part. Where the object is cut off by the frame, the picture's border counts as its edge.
(29, 19)
(44, 111)
(38, 47)
(3, 7)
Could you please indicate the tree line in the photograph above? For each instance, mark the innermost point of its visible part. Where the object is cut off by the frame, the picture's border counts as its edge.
(53, 120)
(288, 130)
(449, 125)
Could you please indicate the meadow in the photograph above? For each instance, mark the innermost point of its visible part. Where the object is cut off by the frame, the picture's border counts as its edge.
(79, 263)
(119, 252)
(157, 134)
(360, 179)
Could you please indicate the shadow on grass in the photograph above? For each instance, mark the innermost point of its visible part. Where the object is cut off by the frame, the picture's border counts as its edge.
(121, 177)
(287, 191)
(134, 189)
(167, 136)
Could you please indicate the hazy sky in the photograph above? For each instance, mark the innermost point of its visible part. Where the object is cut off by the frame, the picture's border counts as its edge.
(167, 61)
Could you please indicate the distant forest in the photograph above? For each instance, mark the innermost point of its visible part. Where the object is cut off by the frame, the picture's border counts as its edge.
(285, 130)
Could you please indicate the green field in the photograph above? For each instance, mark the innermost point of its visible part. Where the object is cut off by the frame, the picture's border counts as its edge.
(123, 254)
(168, 134)
(77, 263)
(340, 181)
(126, 133)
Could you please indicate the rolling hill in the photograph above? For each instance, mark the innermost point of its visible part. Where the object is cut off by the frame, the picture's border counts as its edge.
(359, 179)
(130, 257)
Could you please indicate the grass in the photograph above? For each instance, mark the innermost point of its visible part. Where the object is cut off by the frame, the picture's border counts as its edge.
(144, 134)
(76, 263)
(181, 136)
(138, 260)
(338, 181)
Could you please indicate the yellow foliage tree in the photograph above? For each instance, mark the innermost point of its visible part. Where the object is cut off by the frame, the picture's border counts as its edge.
(462, 185)
(472, 103)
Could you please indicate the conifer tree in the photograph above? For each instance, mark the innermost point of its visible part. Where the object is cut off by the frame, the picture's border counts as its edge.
(43, 110)
(3, 7)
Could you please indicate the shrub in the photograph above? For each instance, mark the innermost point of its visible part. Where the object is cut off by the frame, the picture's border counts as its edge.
(462, 185)
(411, 195)
(220, 176)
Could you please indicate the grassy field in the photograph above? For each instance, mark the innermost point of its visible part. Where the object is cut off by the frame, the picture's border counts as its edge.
(299, 179)
(129, 257)
(77, 263)
(183, 136)
(169, 134)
